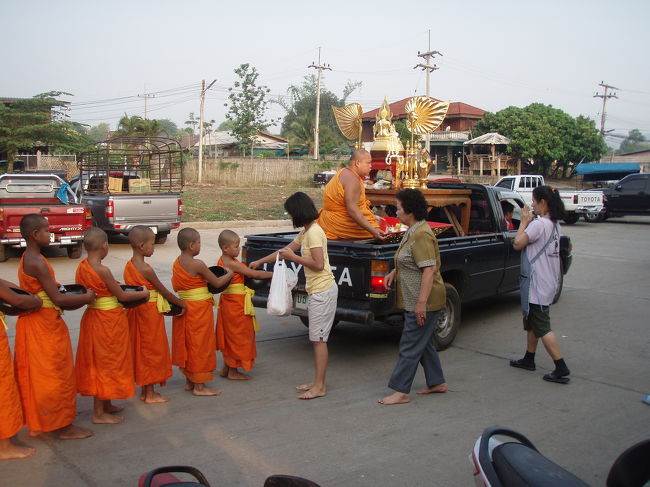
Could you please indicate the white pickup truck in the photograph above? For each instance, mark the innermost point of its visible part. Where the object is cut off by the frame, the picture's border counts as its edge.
(589, 203)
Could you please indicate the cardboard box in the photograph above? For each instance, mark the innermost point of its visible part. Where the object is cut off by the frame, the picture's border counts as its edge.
(140, 185)
(115, 185)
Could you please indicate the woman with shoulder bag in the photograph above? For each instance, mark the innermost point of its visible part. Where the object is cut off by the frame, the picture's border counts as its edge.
(539, 240)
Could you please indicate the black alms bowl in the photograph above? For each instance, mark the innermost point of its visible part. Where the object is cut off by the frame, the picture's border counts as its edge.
(131, 289)
(175, 310)
(72, 289)
(8, 309)
(218, 271)
(256, 284)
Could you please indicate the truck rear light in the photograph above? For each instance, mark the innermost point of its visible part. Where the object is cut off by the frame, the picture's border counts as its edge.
(378, 271)
(110, 208)
(180, 207)
(2, 215)
(377, 284)
(575, 199)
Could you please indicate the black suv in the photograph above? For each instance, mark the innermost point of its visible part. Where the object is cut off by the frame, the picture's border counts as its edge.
(630, 196)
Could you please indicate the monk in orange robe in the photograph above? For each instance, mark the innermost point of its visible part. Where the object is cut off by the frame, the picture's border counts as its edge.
(151, 360)
(43, 352)
(236, 321)
(346, 212)
(193, 337)
(11, 411)
(104, 362)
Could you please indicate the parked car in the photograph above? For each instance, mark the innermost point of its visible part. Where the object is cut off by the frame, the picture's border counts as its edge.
(630, 196)
(322, 178)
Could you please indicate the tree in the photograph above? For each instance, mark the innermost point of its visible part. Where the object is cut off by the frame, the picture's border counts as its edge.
(635, 141)
(542, 135)
(167, 127)
(247, 107)
(38, 121)
(138, 126)
(226, 125)
(99, 132)
(192, 122)
(300, 105)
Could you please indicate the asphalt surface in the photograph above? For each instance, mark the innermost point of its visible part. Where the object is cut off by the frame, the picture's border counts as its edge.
(258, 428)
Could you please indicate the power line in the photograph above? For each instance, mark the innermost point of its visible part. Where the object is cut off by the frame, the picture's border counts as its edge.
(605, 96)
(320, 67)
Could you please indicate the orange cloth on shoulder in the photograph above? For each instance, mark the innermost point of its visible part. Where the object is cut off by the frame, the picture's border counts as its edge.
(193, 338)
(11, 411)
(235, 333)
(334, 218)
(44, 363)
(104, 363)
(151, 360)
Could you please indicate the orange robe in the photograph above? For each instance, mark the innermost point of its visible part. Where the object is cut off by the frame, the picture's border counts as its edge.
(151, 360)
(104, 364)
(334, 218)
(44, 364)
(11, 412)
(235, 333)
(193, 338)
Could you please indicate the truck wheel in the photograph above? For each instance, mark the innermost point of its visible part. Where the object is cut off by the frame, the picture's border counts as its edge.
(161, 237)
(3, 253)
(305, 321)
(448, 321)
(571, 218)
(593, 217)
(74, 251)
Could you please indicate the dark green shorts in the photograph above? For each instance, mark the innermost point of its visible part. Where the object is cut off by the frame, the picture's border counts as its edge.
(538, 320)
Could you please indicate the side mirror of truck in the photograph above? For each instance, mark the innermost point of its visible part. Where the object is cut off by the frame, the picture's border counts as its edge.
(618, 187)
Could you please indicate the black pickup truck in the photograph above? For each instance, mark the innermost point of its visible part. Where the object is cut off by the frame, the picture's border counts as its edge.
(477, 263)
(630, 196)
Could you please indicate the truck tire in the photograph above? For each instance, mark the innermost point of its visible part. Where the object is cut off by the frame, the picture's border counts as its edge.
(593, 218)
(571, 218)
(161, 237)
(74, 251)
(3, 253)
(305, 321)
(448, 321)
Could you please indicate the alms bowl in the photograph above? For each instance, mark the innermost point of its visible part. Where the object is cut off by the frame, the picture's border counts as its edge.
(132, 289)
(175, 310)
(72, 289)
(8, 309)
(218, 271)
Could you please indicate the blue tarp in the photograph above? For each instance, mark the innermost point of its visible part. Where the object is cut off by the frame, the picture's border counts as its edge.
(623, 168)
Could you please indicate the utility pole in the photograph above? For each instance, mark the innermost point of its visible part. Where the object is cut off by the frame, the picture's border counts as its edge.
(605, 96)
(429, 68)
(203, 90)
(320, 67)
(146, 96)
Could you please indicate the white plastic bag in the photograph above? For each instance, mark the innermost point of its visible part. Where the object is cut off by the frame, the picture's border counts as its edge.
(280, 302)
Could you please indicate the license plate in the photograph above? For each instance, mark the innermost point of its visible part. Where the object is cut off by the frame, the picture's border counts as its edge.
(300, 301)
(154, 230)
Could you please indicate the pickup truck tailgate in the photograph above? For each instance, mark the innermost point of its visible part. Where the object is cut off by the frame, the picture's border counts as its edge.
(149, 208)
(62, 219)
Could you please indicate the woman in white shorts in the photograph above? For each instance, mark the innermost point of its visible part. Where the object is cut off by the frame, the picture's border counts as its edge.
(320, 285)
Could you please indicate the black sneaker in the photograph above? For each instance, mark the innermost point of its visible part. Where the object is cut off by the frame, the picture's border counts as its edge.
(522, 364)
(556, 377)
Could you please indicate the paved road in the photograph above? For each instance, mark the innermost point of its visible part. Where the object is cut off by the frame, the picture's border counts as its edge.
(258, 428)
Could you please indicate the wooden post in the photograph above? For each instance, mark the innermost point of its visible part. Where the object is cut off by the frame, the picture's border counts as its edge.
(459, 167)
(480, 165)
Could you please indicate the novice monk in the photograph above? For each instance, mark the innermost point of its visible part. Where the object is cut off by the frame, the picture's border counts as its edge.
(104, 363)
(11, 412)
(151, 360)
(236, 321)
(44, 364)
(193, 338)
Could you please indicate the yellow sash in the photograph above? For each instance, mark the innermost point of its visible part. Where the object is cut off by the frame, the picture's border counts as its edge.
(196, 294)
(47, 302)
(2, 318)
(105, 303)
(249, 309)
(161, 303)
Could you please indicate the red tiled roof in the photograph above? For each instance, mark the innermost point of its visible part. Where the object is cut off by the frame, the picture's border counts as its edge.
(271, 136)
(457, 109)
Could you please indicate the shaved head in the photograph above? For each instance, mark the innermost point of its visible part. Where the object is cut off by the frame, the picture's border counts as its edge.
(359, 155)
(186, 236)
(227, 237)
(139, 235)
(94, 238)
(32, 222)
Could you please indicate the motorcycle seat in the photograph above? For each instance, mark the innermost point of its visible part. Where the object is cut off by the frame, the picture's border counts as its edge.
(517, 465)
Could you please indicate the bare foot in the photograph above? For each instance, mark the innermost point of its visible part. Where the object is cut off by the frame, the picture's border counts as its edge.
(312, 393)
(34, 434)
(234, 374)
(224, 371)
(189, 385)
(73, 432)
(439, 389)
(14, 451)
(205, 391)
(395, 398)
(155, 398)
(112, 408)
(304, 387)
(107, 418)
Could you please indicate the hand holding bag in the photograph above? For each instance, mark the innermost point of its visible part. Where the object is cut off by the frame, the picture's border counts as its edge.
(280, 301)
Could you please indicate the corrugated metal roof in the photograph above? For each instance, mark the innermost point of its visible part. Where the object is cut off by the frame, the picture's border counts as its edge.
(491, 138)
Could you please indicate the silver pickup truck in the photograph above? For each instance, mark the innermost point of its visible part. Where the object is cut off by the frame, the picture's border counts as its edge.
(131, 181)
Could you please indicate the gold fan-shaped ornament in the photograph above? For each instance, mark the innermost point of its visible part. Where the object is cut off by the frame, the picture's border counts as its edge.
(425, 114)
(348, 118)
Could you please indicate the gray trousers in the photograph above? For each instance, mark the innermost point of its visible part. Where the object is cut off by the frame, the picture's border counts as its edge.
(416, 347)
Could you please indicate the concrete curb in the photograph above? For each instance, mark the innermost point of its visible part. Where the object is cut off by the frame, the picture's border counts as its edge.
(236, 224)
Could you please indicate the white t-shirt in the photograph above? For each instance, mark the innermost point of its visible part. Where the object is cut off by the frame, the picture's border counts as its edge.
(546, 274)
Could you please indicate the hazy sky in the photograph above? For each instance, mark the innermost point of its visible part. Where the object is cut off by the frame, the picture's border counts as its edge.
(495, 53)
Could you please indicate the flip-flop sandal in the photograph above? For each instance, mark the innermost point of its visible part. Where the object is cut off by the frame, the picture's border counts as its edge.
(554, 378)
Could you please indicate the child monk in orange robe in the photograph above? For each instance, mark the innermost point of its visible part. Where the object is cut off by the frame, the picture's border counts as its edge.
(236, 321)
(43, 352)
(193, 337)
(104, 363)
(11, 411)
(151, 360)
